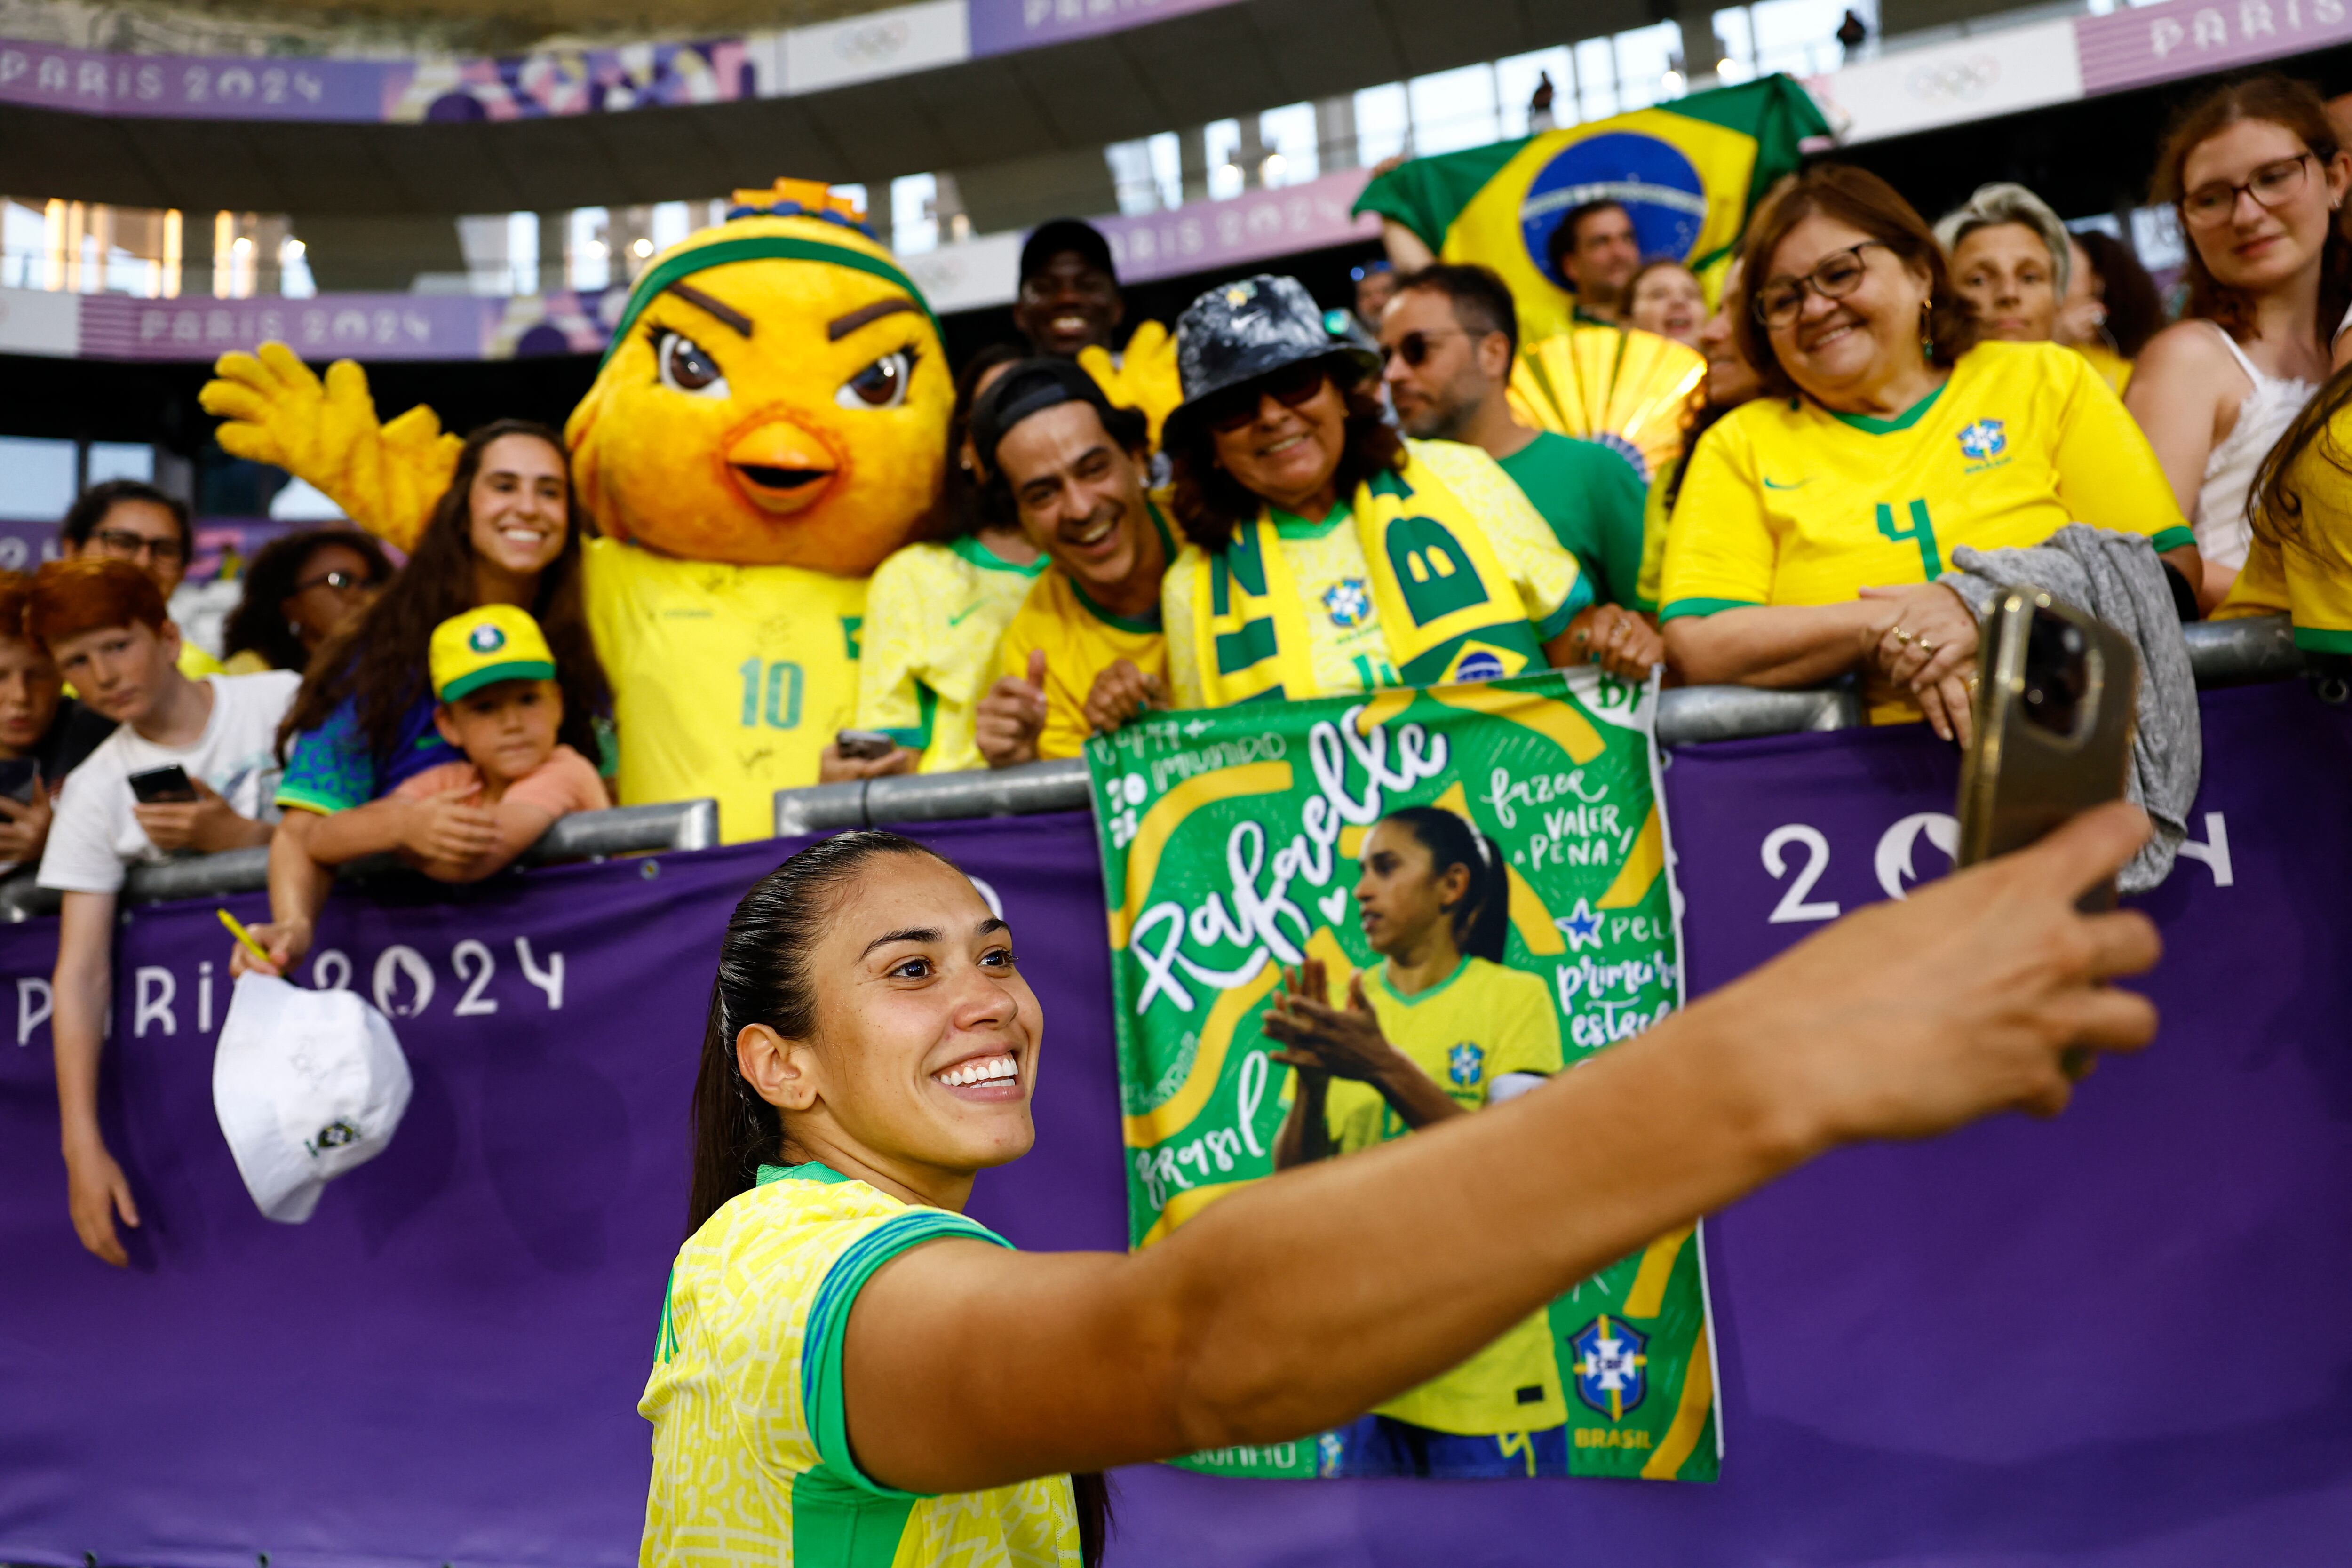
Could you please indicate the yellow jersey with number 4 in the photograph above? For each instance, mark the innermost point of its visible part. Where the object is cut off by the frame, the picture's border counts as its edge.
(1787, 503)
(727, 681)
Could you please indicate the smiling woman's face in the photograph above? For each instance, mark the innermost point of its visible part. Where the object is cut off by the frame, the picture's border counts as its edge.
(1288, 454)
(1833, 347)
(2254, 245)
(517, 504)
(926, 1035)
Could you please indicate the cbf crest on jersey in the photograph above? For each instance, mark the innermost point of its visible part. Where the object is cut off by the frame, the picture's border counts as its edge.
(1466, 1064)
(1611, 1366)
(1983, 441)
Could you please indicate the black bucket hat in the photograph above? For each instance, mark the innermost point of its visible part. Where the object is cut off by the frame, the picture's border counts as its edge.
(1239, 331)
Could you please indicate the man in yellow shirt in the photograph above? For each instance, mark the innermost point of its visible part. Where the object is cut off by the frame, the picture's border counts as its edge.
(1085, 650)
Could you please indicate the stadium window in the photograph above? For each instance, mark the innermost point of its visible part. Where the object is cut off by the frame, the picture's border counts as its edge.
(1643, 57)
(1452, 109)
(1514, 84)
(1383, 122)
(1292, 154)
(1221, 140)
(1131, 176)
(914, 214)
(37, 478)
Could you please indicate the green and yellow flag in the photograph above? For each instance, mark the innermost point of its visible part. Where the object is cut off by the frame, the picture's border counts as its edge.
(1688, 173)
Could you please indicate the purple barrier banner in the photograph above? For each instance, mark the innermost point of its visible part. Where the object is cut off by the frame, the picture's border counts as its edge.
(2158, 42)
(443, 1364)
(1250, 227)
(1000, 26)
(2112, 1341)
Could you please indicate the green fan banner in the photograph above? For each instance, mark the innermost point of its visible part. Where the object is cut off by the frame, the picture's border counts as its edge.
(1688, 171)
(1255, 849)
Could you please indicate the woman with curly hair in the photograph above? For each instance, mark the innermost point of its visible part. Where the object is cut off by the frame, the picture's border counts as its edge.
(300, 589)
(1327, 554)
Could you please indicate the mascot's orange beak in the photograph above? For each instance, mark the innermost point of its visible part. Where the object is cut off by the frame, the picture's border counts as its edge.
(781, 467)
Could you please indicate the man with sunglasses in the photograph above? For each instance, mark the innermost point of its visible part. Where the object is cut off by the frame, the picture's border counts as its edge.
(130, 520)
(1448, 341)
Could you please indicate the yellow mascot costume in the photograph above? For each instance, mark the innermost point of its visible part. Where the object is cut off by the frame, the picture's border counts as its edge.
(770, 422)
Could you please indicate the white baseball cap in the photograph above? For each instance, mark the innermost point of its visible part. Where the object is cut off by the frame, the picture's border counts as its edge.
(307, 1085)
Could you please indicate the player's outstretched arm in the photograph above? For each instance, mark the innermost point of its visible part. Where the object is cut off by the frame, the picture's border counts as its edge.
(1309, 1298)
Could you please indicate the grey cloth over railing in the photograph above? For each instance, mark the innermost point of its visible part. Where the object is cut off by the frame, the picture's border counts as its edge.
(2116, 577)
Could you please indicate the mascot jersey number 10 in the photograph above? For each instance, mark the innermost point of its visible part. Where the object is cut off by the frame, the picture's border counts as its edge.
(769, 424)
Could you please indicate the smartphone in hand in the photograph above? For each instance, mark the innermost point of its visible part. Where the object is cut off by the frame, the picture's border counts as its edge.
(2056, 707)
(864, 745)
(19, 776)
(166, 786)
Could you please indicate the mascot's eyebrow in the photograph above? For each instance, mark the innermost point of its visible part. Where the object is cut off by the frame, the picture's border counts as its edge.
(841, 327)
(726, 314)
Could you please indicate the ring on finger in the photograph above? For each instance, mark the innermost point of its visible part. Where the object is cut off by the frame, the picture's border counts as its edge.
(1901, 636)
(1926, 645)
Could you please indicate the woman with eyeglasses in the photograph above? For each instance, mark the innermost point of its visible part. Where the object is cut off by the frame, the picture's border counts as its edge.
(1814, 521)
(130, 520)
(300, 589)
(1327, 554)
(2256, 175)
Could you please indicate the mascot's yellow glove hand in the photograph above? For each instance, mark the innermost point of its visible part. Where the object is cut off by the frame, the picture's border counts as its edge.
(387, 477)
(1146, 378)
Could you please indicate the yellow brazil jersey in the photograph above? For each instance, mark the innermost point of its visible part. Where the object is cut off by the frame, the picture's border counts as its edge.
(2302, 566)
(751, 1457)
(726, 680)
(1787, 503)
(1080, 640)
(1465, 1031)
(1326, 559)
(934, 617)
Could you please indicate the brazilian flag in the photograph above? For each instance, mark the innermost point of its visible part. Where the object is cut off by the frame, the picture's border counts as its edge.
(1688, 173)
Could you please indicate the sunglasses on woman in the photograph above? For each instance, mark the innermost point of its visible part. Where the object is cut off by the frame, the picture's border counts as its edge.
(1235, 408)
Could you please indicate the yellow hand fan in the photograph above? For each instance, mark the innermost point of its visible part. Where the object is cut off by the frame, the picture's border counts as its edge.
(1630, 391)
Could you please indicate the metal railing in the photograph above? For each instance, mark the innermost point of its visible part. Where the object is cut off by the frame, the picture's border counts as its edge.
(581, 835)
(2220, 653)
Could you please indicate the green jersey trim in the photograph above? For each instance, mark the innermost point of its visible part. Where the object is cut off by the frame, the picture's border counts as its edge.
(1140, 624)
(1579, 595)
(969, 547)
(926, 707)
(815, 1171)
(1290, 525)
(843, 1526)
(1681, 607)
(1902, 421)
(2177, 536)
(2322, 639)
(1382, 979)
(828, 1326)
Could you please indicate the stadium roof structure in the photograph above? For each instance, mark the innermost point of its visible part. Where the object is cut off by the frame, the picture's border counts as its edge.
(862, 98)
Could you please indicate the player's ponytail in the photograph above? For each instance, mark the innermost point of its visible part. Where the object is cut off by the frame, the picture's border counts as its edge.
(765, 978)
(1482, 914)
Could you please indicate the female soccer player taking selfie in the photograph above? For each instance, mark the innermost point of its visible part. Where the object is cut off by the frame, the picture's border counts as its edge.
(850, 1372)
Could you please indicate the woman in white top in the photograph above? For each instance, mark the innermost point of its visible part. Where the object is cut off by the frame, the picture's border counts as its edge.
(2256, 175)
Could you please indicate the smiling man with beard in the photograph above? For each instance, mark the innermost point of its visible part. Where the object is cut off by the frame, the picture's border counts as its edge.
(1085, 650)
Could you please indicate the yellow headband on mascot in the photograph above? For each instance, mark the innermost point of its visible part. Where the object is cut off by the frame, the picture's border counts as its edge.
(787, 407)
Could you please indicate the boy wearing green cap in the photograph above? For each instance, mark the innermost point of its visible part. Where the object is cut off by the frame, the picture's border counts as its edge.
(495, 678)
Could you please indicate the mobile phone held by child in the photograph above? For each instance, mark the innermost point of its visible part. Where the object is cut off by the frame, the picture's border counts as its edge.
(494, 679)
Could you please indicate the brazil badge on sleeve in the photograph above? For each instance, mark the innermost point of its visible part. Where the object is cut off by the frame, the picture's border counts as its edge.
(1474, 876)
